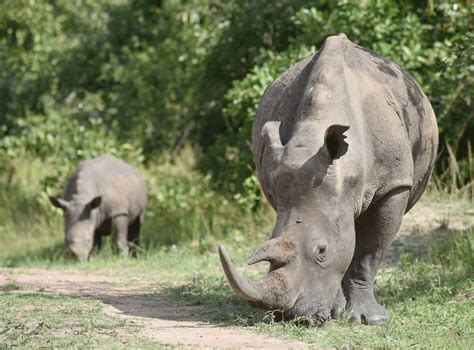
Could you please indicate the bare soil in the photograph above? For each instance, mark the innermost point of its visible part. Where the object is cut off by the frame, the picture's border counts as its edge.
(425, 224)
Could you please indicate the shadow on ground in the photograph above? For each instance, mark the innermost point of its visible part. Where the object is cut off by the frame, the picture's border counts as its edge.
(414, 243)
(210, 308)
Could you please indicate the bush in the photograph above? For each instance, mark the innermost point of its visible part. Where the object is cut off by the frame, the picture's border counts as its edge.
(160, 75)
(61, 142)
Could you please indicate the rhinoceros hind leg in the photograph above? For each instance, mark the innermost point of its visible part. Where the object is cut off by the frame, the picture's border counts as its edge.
(121, 224)
(375, 231)
(133, 236)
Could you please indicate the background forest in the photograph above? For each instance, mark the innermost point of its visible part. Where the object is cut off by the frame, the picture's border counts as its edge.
(172, 87)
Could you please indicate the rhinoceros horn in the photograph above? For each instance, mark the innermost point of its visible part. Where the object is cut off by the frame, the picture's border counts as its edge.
(262, 293)
(277, 251)
(243, 287)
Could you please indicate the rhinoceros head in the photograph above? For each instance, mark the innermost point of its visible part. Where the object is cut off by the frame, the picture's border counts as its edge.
(313, 239)
(79, 224)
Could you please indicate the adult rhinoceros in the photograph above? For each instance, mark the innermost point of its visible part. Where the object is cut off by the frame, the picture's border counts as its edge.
(101, 192)
(344, 144)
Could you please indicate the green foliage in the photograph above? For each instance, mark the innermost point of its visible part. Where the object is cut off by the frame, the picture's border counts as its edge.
(44, 137)
(155, 76)
(117, 61)
(184, 206)
(246, 29)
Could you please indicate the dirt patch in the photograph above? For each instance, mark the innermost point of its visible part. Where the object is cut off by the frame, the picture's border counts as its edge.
(157, 317)
(425, 224)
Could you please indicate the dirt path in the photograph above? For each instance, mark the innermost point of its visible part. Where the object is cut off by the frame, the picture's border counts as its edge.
(157, 317)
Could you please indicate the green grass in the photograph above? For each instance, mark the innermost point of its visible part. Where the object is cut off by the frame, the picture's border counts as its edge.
(31, 321)
(430, 295)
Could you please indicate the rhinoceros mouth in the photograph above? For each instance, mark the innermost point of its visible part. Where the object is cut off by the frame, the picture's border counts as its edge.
(276, 291)
(302, 318)
(308, 317)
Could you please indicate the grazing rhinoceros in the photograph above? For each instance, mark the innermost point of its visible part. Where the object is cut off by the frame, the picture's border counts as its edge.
(102, 191)
(344, 144)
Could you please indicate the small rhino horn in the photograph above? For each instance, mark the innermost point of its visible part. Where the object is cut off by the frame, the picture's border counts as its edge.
(278, 251)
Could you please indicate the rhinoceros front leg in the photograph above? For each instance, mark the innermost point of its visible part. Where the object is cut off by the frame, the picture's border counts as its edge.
(339, 305)
(97, 240)
(375, 231)
(121, 225)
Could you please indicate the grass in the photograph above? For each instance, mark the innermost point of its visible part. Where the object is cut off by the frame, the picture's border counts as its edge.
(30, 321)
(428, 291)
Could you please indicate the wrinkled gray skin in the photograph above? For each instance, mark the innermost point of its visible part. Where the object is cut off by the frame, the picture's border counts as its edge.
(344, 144)
(102, 192)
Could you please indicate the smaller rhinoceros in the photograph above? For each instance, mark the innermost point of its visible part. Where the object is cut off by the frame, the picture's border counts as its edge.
(102, 191)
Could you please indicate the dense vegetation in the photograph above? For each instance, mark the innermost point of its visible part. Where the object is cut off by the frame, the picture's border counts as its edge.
(146, 80)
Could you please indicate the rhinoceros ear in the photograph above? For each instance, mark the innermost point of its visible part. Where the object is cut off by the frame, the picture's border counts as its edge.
(95, 203)
(334, 139)
(58, 202)
(271, 140)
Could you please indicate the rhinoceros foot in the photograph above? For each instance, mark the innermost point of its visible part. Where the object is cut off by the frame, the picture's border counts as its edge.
(365, 309)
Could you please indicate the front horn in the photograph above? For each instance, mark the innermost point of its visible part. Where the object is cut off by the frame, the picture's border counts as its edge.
(271, 292)
(243, 287)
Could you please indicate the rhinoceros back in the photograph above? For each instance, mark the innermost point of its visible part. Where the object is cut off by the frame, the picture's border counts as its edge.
(407, 103)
